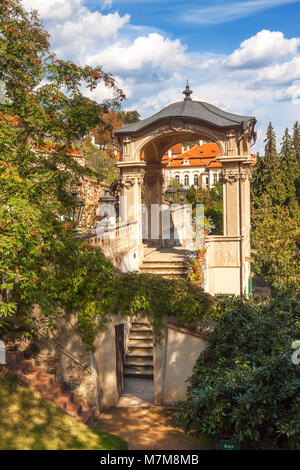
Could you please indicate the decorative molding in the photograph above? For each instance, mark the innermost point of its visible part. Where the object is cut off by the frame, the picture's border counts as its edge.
(229, 176)
(232, 176)
(177, 125)
(245, 176)
(128, 182)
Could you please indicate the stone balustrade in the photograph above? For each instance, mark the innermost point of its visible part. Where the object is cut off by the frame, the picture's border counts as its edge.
(115, 240)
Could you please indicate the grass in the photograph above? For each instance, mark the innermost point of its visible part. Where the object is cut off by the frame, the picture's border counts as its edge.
(27, 422)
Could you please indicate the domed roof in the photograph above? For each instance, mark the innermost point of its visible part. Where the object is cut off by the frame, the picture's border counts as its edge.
(189, 110)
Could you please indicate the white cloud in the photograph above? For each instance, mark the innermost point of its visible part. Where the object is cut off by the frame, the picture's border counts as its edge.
(53, 9)
(223, 12)
(259, 78)
(153, 50)
(290, 93)
(107, 4)
(266, 47)
(76, 31)
(279, 74)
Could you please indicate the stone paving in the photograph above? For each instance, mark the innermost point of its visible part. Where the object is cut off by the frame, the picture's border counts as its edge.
(138, 392)
(149, 429)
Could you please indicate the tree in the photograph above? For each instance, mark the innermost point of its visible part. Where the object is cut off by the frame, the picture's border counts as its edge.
(267, 176)
(296, 140)
(289, 166)
(275, 216)
(129, 117)
(42, 115)
(275, 229)
(102, 132)
(296, 148)
(244, 384)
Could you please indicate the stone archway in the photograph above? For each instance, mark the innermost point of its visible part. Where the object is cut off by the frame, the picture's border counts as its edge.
(228, 267)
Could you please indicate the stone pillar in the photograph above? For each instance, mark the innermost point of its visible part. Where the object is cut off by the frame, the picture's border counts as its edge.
(235, 177)
(245, 179)
(132, 177)
(153, 200)
(231, 198)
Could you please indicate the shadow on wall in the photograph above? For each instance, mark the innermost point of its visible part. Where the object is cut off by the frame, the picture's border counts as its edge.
(174, 362)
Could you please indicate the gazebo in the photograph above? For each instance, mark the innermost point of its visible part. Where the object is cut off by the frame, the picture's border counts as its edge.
(142, 145)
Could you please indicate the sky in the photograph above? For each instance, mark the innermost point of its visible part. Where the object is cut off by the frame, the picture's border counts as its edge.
(240, 55)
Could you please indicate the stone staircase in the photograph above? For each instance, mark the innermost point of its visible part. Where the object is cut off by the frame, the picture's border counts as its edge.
(166, 262)
(168, 269)
(34, 376)
(139, 354)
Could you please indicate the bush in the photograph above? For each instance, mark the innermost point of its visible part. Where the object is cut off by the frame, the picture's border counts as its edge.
(245, 384)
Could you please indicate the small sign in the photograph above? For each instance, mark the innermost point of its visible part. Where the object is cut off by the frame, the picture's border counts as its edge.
(229, 444)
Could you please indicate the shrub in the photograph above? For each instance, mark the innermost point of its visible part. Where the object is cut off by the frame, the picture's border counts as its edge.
(245, 384)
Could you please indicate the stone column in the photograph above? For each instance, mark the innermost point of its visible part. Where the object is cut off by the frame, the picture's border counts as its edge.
(132, 176)
(153, 200)
(235, 177)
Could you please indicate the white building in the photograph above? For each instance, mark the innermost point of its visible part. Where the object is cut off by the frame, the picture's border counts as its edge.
(197, 166)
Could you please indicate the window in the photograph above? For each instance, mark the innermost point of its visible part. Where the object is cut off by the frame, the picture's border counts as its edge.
(186, 180)
(215, 178)
(196, 180)
(177, 178)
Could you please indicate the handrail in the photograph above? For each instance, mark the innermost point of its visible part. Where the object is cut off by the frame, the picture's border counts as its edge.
(66, 352)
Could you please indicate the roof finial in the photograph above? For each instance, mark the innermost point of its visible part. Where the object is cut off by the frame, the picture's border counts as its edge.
(187, 92)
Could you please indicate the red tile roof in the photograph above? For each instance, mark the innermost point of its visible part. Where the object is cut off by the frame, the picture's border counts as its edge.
(199, 155)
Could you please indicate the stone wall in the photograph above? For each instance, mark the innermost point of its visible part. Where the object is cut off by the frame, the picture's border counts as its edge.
(174, 360)
(91, 376)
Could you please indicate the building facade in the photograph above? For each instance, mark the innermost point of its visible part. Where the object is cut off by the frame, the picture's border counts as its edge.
(197, 166)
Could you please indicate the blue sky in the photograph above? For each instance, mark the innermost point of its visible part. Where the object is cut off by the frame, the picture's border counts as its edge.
(205, 26)
(242, 56)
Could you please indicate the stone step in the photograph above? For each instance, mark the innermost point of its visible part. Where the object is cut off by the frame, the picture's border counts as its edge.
(139, 337)
(138, 365)
(138, 373)
(140, 330)
(139, 350)
(162, 267)
(45, 382)
(163, 264)
(140, 355)
(32, 375)
(140, 324)
(168, 275)
(139, 344)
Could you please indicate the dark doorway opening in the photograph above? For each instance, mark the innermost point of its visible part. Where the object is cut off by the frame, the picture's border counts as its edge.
(120, 352)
